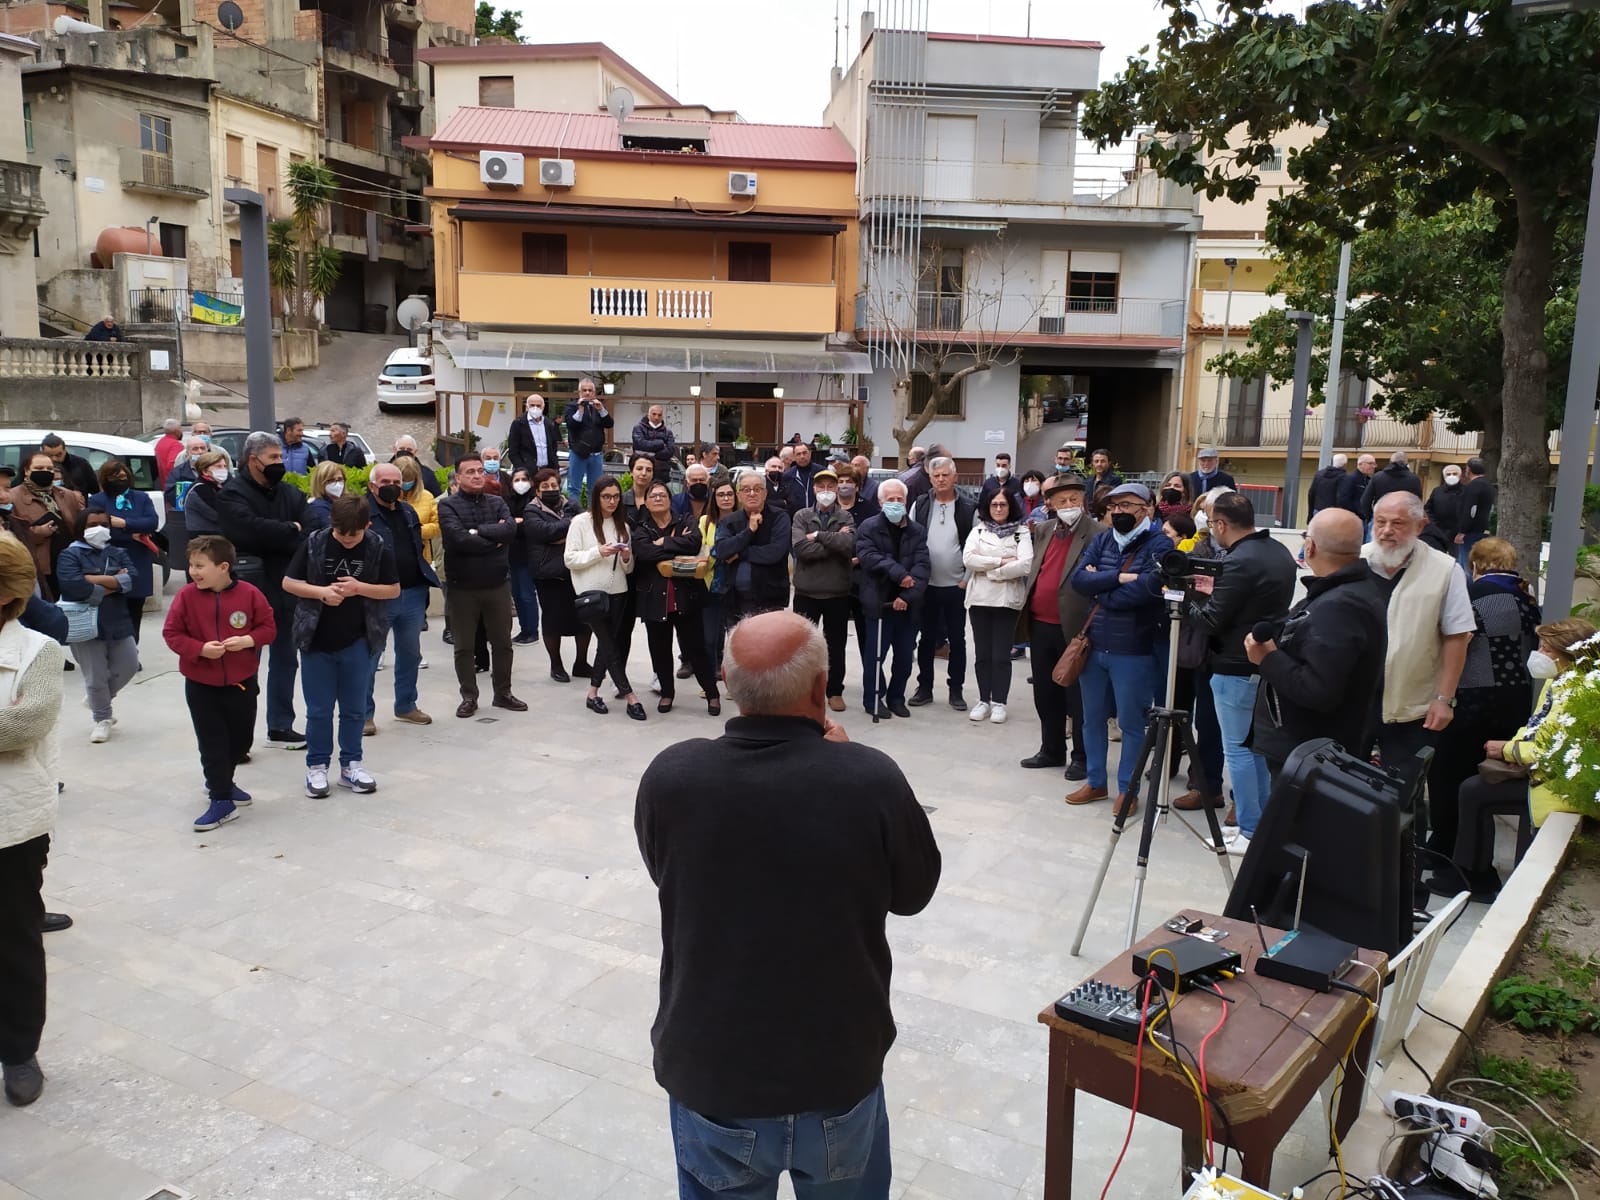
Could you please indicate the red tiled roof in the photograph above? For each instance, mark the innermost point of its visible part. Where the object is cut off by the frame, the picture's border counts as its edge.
(590, 134)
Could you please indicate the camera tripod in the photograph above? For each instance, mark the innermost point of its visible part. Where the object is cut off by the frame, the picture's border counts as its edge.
(1166, 725)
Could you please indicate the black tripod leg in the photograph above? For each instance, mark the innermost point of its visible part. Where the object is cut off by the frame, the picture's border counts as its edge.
(1212, 820)
(1140, 765)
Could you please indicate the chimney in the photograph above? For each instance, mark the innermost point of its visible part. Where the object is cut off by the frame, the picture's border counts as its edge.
(866, 26)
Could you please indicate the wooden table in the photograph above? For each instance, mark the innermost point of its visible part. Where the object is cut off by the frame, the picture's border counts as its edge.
(1261, 1069)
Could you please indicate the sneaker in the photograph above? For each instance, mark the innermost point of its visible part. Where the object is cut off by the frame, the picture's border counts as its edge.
(316, 782)
(685, 671)
(997, 714)
(286, 739)
(354, 776)
(415, 717)
(369, 729)
(240, 797)
(381, 663)
(920, 697)
(422, 664)
(101, 732)
(219, 813)
(980, 711)
(1236, 844)
(655, 684)
(1114, 731)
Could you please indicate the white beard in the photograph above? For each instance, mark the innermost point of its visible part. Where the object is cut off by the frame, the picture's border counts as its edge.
(1390, 561)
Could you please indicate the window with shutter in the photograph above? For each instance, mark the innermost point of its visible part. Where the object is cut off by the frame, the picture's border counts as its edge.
(497, 91)
(952, 406)
(544, 254)
(750, 262)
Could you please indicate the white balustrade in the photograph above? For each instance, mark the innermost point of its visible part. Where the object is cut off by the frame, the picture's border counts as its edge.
(51, 358)
(685, 304)
(619, 302)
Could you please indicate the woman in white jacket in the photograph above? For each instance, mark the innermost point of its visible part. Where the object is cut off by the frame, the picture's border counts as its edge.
(30, 703)
(600, 557)
(998, 553)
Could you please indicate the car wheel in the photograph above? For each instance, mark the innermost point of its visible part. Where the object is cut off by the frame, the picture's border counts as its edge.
(383, 406)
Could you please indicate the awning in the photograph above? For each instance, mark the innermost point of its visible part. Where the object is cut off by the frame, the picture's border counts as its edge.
(646, 218)
(567, 358)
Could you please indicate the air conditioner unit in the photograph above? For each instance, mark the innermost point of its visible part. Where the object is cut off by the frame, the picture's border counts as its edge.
(502, 167)
(558, 172)
(741, 183)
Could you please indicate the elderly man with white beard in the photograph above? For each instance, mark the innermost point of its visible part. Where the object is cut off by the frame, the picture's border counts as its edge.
(1430, 623)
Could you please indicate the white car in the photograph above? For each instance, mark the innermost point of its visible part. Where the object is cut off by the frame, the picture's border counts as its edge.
(406, 380)
(19, 445)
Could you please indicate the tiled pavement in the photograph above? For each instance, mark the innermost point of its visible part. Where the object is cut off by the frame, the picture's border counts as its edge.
(444, 989)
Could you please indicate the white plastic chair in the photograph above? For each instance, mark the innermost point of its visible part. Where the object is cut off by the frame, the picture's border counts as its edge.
(1397, 1008)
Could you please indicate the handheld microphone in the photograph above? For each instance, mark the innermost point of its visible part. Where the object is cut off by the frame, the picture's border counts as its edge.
(1265, 631)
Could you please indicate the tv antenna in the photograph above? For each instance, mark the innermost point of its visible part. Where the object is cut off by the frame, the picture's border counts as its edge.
(619, 103)
(230, 16)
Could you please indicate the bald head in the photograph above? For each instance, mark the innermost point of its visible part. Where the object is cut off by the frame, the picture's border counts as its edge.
(1333, 540)
(776, 665)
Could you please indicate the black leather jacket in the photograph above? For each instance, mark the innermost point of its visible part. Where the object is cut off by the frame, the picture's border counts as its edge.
(1257, 584)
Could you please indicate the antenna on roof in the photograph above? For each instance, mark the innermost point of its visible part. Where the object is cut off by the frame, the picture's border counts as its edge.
(835, 35)
(619, 103)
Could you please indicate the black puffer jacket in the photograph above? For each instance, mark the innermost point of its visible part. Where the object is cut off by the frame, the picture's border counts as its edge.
(544, 534)
(263, 521)
(476, 560)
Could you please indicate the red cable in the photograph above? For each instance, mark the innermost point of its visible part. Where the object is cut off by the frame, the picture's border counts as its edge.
(1138, 1060)
(1205, 1090)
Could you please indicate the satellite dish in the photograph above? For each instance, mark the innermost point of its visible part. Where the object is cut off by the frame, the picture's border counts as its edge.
(413, 311)
(620, 104)
(229, 15)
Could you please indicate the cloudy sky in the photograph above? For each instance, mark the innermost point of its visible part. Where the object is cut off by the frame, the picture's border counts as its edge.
(769, 59)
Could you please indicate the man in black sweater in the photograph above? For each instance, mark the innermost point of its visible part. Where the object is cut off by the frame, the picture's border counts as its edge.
(1325, 484)
(1472, 510)
(1396, 477)
(774, 1015)
(477, 531)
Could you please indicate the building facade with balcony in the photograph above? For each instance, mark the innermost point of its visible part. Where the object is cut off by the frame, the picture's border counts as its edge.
(22, 205)
(703, 265)
(986, 229)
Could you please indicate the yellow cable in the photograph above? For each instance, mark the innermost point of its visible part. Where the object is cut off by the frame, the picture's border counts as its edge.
(1150, 1036)
(1333, 1098)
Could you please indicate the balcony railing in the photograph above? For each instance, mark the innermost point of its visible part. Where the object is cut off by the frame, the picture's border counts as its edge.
(153, 305)
(1030, 314)
(1249, 432)
(149, 170)
(362, 41)
(22, 206)
(65, 358)
(374, 139)
(497, 298)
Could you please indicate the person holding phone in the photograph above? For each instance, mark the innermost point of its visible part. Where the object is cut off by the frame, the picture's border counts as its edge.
(600, 557)
(45, 513)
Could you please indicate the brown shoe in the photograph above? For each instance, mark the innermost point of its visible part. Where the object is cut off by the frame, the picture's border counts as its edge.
(1087, 795)
(509, 701)
(467, 707)
(1231, 817)
(1127, 806)
(1193, 801)
(370, 729)
(836, 703)
(415, 717)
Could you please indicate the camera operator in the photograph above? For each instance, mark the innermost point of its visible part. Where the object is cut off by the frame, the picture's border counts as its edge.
(1319, 674)
(1256, 585)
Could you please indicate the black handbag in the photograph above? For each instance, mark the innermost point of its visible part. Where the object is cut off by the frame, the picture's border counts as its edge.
(592, 606)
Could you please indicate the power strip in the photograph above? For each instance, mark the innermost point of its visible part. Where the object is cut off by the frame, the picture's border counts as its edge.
(1104, 1007)
(1427, 1110)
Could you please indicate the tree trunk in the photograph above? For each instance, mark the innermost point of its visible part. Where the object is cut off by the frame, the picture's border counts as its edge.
(907, 427)
(1494, 431)
(1524, 454)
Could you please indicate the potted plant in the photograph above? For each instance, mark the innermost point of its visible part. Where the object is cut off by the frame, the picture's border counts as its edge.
(741, 440)
(821, 442)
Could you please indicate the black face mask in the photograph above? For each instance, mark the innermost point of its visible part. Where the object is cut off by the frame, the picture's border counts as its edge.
(1123, 522)
(1172, 496)
(404, 454)
(389, 493)
(774, 475)
(274, 471)
(699, 491)
(115, 487)
(41, 478)
(552, 499)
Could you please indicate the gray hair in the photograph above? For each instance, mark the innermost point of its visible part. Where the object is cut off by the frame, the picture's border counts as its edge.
(778, 689)
(256, 443)
(941, 463)
(892, 483)
(1341, 460)
(405, 439)
(171, 425)
(1398, 458)
(1406, 502)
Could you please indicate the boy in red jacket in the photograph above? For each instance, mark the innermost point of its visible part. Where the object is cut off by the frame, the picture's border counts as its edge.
(217, 626)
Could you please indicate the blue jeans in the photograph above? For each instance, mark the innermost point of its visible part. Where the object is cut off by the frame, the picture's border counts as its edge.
(1128, 681)
(1464, 551)
(407, 612)
(1236, 705)
(342, 677)
(282, 658)
(583, 470)
(894, 634)
(524, 599)
(829, 1156)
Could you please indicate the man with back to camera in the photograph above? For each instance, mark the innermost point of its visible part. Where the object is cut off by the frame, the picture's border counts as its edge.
(1324, 490)
(784, 1071)
(1319, 673)
(1396, 477)
(405, 446)
(1477, 502)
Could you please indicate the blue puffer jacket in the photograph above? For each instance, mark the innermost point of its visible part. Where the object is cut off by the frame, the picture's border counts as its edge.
(1130, 619)
(80, 559)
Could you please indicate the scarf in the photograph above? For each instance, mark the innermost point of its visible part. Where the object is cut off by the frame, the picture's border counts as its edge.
(1125, 540)
(1002, 529)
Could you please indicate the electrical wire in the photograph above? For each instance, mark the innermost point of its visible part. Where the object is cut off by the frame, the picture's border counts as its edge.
(1338, 1087)
(1216, 1108)
(1533, 1144)
(1138, 1074)
(1194, 1084)
(1454, 1084)
(1205, 1088)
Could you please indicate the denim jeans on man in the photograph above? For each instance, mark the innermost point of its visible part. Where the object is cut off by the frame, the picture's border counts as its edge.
(583, 470)
(524, 599)
(829, 1156)
(1235, 696)
(282, 661)
(342, 677)
(944, 618)
(894, 638)
(407, 612)
(1464, 550)
(1128, 682)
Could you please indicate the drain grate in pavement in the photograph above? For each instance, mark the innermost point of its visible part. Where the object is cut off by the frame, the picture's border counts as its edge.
(487, 720)
(168, 1193)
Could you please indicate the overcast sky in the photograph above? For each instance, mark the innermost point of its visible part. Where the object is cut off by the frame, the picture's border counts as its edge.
(769, 59)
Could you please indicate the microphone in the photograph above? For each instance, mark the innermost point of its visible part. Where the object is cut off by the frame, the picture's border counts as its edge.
(1265, 631)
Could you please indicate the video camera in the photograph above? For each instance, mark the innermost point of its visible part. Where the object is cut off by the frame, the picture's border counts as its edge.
(1180, 569)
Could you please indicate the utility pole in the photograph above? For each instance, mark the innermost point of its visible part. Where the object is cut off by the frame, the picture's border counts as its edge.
(257, 305)
(1227, 327)
(1297, 415)
(1330, 402)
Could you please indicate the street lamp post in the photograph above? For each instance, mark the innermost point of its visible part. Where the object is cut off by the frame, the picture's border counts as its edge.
(1227, 327)
(1304, 323)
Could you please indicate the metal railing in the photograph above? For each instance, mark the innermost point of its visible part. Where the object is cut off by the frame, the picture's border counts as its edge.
(169, 304)
(63, 358)
(1048, 315)
(153, 169)
(375, 139)
(19, 189)
(1246, 431)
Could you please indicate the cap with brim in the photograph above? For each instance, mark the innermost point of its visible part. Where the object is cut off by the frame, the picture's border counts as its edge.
(1208, 452)
(825, 474)
(1137, 490)
(6, 470)
(838, 456)
(1065, 483)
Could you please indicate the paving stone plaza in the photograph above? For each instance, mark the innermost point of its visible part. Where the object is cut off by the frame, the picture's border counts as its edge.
(445, 989)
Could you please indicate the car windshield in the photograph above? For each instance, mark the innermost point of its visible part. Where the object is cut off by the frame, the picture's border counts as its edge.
(405, 370)
(141, 466)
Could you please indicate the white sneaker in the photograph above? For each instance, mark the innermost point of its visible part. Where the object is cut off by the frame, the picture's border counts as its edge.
(317, 782)
(979, 711)
(1114, 731)
(655, 684)
(422, 664)
(381, 663)
(1237, 844)
(997, 714)
(355, 777)
(101, 731)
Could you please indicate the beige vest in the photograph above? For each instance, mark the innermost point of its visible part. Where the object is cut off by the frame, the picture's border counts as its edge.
(1411, 667)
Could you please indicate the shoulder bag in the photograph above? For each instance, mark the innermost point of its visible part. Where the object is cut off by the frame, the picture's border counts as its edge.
(1073, 659)
(83, 616)
(592, 606)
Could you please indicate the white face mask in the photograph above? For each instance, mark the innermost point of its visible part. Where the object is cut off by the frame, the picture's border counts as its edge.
(1030, 488)
(1201, 521)
(219, 474)
(335, 489)
(98, 536)
(1542, 666)
(522, 487)
(535, 413)
(1069, 516)
(826, 499)
(1002, 472)
(1452, 480)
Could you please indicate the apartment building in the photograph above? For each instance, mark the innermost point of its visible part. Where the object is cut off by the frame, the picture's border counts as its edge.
(984, 224)
(22, 205)
(706, 265)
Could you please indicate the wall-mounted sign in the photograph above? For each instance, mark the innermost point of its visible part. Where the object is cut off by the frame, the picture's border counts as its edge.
(93, 183)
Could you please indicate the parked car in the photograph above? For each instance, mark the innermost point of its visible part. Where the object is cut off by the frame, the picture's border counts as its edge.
(18, 445)
(231, 438)
(1052, 409)
(406, 380)
(1077, 404)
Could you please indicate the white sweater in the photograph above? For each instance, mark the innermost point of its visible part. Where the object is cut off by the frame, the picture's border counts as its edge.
(591, 572)
(30, 703)
(993, 585)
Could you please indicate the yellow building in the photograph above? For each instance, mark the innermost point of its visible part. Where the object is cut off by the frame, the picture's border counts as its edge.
(702, 265)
